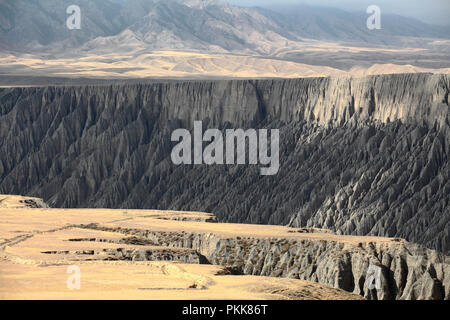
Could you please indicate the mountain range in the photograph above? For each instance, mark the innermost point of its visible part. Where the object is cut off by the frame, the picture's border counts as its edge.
(194, 24)
(210, 39)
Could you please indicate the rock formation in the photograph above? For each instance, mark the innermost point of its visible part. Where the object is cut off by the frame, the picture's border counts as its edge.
(409, 271)
(359, 156)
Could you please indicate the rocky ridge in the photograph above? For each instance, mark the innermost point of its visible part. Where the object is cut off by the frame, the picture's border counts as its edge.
(409, 271)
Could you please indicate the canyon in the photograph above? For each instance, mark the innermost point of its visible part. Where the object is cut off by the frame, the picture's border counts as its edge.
(105, 194)
(358, 156)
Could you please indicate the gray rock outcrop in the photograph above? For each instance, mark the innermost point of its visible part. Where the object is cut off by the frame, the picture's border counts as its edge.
(409, 271)
(363, 156)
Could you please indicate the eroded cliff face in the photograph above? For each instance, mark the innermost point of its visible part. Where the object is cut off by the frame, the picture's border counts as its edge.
(366, 156)
(408, 271)
(109, 240)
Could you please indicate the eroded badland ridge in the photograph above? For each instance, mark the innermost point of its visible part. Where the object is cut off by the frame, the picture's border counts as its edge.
(154, 254)
(359, 156)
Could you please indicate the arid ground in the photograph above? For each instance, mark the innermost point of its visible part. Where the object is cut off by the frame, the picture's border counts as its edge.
(37, 245)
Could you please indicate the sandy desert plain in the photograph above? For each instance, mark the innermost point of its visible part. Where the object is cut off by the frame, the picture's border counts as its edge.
(39, 244)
